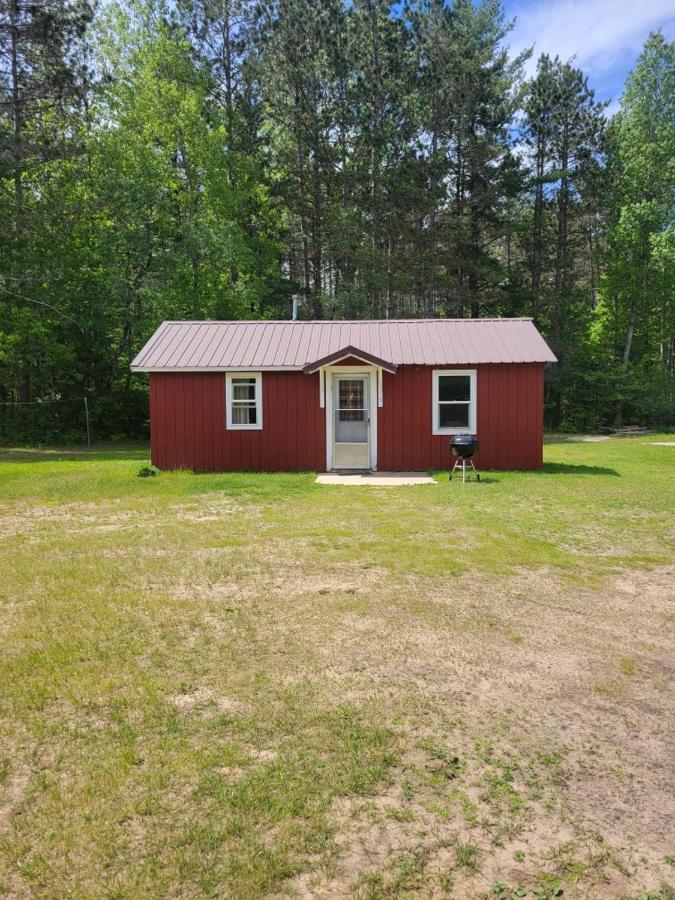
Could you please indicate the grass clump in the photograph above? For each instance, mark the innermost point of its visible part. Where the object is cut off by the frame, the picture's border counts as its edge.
(147, 470)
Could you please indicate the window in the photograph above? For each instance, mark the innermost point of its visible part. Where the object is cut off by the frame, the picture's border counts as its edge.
(244, 400)
(351, 401)
(454, 401)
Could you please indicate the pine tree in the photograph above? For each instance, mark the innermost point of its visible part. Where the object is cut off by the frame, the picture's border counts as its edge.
(472, 92)
(564, 127)
(39, 41)
(638, 282)
(223, 34)
(42, 83)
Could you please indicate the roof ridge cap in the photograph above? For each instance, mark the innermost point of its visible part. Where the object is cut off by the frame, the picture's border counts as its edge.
(466, 321)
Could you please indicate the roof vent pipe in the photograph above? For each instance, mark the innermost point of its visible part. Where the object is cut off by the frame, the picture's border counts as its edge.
(294, 315)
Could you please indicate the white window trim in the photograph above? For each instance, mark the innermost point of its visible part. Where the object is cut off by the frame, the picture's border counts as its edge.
(229, 378)
(473, 402)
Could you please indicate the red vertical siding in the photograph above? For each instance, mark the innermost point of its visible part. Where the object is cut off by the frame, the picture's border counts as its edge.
(187, 424)
(187, 416)
(510, 419)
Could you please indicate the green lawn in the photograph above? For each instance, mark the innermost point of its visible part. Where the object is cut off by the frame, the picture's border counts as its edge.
(247, 685)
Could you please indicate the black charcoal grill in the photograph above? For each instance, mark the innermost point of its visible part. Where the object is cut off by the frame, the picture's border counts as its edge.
(464, 447)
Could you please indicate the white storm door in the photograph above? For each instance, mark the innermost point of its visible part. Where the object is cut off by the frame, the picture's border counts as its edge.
(351, 421)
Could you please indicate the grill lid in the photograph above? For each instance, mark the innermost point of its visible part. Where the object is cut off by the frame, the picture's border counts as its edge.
(464, 445)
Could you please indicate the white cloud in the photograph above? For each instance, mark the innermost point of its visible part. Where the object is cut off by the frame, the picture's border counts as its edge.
(602, 35)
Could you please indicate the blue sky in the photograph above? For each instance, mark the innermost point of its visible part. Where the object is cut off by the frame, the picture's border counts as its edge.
(605, 35)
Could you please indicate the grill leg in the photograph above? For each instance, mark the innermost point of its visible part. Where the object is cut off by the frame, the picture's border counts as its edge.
(463, 463)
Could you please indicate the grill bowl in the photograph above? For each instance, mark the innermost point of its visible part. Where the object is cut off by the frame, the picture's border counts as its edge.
(464, 446)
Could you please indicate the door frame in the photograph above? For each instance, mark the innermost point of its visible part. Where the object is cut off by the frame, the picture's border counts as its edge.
(373, 379)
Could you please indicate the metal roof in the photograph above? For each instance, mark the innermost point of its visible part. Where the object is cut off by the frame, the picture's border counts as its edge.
(209, 346)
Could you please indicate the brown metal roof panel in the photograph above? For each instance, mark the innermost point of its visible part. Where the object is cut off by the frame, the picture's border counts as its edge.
(504, 343)
(509, 340)
(224, 337)
(427, 336)
(478, 343)
(202, 339)
(184, 353)
(535, 345)
(336, 337)
(285, 353)
(258, 344)
(515, 337)
(147, 348)
(472, 342)
(265, 347)
(454, 338)
(250, 352)
(233, 357)
(221, 336)
(246, 352)
(212, 346)
(158, 352)
(320, 344)
(396, 348)
(304, 343)
(294, 345)
(275, 355)
(436, 341)
(432, 341)
(269, 346)
(385, 343)
(170, 348)
(411, 349)
(369, 339)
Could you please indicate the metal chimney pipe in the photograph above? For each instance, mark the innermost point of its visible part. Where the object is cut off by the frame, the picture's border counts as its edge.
(294, 316)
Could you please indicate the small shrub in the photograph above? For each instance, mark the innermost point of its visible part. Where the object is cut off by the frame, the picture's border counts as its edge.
(147, 470)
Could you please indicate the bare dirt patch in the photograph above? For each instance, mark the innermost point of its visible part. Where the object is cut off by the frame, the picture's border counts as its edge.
(206, 701)
(13, 788)
(567, 726)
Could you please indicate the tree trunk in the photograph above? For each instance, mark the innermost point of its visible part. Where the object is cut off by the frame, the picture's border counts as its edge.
(227, 71)
(431, 239)
(630, 332)
(537, 231)
(375, 155)
(561, 257)
(474, 234)
(17, 119)
(317, 221)
(306, 267)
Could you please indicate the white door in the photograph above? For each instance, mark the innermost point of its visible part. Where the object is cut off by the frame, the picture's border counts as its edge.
(351, 421)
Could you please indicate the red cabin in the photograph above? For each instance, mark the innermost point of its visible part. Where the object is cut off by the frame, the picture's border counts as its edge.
(386, 394)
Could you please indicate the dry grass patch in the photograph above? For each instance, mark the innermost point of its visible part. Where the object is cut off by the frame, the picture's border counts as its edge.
(512, 751)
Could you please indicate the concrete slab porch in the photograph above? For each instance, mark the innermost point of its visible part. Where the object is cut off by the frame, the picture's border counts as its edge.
(378, 479)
